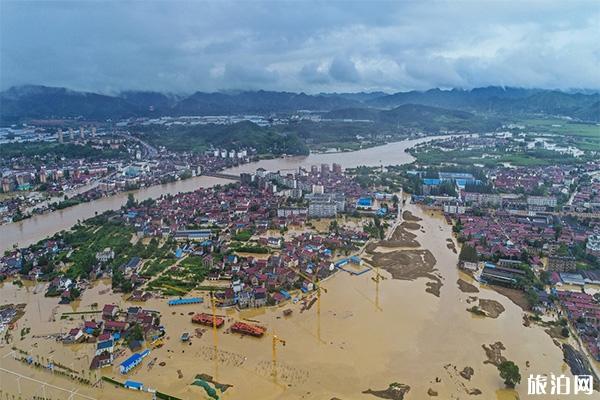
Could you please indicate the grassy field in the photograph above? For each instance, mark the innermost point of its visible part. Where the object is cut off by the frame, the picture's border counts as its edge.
(563, 127)
(494, 157)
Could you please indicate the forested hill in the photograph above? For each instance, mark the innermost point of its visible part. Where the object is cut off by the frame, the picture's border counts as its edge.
(30, 102)
(241, 135)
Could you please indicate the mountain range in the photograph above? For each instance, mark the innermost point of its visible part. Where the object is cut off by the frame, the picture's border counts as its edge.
(20, 103)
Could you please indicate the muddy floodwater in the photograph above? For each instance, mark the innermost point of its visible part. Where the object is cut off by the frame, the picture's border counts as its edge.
(368, 336)
(38, 227)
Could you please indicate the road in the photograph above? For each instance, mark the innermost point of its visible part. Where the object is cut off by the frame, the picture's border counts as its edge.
(151, 150)
(72, 393)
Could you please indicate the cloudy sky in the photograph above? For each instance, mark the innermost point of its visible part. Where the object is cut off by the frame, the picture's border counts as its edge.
(183, 47)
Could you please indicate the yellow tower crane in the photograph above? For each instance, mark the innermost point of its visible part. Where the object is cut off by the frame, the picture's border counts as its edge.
(318, 289)
(377, 278)
(276, 340)
(213, 304)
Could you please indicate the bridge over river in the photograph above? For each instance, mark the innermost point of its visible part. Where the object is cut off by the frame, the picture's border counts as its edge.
(222, 175)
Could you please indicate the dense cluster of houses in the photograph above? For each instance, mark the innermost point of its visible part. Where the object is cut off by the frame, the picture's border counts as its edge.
(114, 327)
(587, 197)
(302, 260)
(529, 180)
(583, 311)
(508, 235)
(259, 203)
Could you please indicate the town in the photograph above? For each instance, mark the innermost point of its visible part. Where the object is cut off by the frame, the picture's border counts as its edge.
(261, 200)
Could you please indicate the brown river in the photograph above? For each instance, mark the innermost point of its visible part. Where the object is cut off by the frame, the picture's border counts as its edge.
(38, 227)
(366, 337)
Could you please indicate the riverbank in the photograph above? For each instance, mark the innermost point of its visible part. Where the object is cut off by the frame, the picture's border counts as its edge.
(38, 227)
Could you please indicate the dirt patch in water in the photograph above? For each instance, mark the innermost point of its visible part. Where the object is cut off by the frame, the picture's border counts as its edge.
(395, 391)
(493, 353)
(450, 245)
(434, 287)
(408, 216)
(407, 264)
(467, 373)
(413, 226)
(492, 308)
(516, 296)
(400, 238)
(410, 265)
(466, 287)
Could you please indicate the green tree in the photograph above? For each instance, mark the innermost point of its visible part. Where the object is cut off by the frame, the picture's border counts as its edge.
(130, 201)
(468, 253)
(509, 371)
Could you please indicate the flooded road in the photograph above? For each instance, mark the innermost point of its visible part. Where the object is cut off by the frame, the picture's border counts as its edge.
(31, 230)
(365, 338)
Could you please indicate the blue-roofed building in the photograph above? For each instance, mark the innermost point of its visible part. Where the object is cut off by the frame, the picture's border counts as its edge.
(105, 346)
(342, 262)
(178, 252)
(461, 183)
(364, 202)
(431, 181)
(572, 278)
(355, 260)
(133, 263)
(193, 234)
(189, 300)
(446, 176)
(133, 361)
(133, 385)
(285, 294)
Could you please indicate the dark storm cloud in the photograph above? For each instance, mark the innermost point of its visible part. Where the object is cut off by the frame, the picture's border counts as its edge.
(298, 45)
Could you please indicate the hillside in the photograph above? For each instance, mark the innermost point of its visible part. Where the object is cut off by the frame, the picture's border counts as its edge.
(31, 102)
(47, 102)
(259, 102)
(417, 116)
(241, 135)
(505, 101)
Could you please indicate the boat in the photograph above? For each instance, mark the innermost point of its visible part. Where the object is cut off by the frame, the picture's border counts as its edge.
(207, 319)
(248, 329)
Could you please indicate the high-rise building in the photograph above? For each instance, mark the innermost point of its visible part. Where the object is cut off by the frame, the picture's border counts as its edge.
(322, 209)
(81, 133)
(593, 245)
(43, 175)
(317, 189)
(93, 131)
(60, 136)
(337, 168)
(324, 169)
(71, 134)
(5, 185)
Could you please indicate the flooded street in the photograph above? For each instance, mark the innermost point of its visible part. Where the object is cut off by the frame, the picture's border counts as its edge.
(361, 340)
(32, 230)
